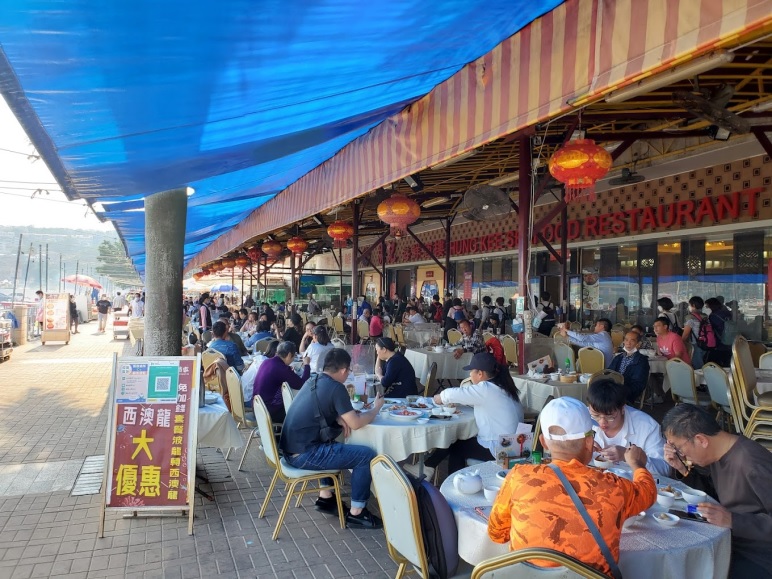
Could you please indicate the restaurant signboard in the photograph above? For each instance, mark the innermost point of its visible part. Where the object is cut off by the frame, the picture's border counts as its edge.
(151, 442)
(56, 321)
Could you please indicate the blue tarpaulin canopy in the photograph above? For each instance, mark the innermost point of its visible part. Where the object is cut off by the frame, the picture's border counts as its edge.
(236, 99)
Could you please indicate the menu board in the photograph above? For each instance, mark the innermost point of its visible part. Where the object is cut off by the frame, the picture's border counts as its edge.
(151, 446)
(55, 311)
(467, 285)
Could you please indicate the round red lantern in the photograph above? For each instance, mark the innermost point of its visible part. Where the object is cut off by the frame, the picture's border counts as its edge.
(254, 253)
(242, 261)
(579, 164)
(205, 271)
(198, 276)
(228, 263)
(217, 266)
(399, 212)
(297, 245)
(340, 231)
(271, 248)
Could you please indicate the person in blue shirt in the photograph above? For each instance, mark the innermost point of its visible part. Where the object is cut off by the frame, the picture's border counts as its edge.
(364, 305)
(398, 380)
(222, 344)
(263, 331)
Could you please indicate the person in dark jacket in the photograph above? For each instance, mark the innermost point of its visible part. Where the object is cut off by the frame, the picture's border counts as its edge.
(633, 365)
(721, 320)
(398, 380)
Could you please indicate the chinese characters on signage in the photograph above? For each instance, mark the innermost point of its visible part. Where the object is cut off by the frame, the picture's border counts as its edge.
(150, 445)
(56, 310)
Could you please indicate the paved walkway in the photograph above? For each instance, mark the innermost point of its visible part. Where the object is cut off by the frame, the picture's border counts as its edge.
(53, 416)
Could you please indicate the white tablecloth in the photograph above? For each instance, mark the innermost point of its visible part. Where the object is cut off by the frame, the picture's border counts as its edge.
(647, 549)
(216, 426)
(399, 439)
(448, 367)
(534, 394)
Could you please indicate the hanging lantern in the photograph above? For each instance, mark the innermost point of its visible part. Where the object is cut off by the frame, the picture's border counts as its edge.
(217, 266)
(340, 231)
(205, 272)
(271, 248)
(198, 276)
(399, 212)
(228, 263)
(254, 253)
(242, 261)
(297, 245)
(579, 164)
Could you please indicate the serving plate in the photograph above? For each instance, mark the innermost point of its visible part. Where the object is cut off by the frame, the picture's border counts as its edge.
(405, 417)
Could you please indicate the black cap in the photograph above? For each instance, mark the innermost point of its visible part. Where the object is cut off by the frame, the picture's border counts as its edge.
(482, 361)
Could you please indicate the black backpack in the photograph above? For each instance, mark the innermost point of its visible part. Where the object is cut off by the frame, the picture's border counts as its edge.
(438, 529)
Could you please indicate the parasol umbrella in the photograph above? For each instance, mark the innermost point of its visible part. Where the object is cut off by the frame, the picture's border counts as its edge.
(223, 288)
(192, 285)
(81, 279)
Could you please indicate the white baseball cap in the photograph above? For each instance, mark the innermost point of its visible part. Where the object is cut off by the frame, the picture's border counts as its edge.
(568, 413)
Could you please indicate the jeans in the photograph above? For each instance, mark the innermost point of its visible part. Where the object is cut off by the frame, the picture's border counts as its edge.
(333, 456)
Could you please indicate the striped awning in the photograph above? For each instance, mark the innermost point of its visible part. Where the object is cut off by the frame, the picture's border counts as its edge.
(578, 51)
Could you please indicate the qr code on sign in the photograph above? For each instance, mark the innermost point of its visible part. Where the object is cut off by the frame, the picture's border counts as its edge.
(163, 383)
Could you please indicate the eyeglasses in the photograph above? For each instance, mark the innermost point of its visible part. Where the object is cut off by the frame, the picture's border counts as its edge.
(680, 452)
(609, 418)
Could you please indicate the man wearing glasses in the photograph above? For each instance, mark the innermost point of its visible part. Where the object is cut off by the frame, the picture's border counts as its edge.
(732, 469)
(619, 426)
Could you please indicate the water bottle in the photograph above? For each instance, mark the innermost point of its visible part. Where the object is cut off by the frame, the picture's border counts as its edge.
(568, 365)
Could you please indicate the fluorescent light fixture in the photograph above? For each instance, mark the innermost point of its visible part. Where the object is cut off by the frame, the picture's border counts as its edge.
(435, 201)
(455, 159)
(415, 183)
(762, 107)
(504, 179)
(317, 221)
(675, 74)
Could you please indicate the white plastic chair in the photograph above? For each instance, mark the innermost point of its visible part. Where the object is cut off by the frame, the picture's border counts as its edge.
(288, 474)
(287, 396)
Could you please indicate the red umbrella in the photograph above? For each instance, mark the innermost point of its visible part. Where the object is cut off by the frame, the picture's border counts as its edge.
(81, 279)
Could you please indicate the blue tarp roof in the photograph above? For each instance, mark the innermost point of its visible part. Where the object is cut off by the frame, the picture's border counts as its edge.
(237, 99)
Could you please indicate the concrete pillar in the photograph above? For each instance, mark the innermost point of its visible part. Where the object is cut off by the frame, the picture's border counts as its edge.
(165, 218)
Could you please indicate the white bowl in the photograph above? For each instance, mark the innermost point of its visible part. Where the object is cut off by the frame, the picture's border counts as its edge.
(694, 497)
(666, 519)
(555, 376)
(601, 463)
(584, 378)
(636, 518)
(491, 492)
(448, 411)
(437, 411)
(439, 349)
(665, 499)
(422, 420)
(357, 404)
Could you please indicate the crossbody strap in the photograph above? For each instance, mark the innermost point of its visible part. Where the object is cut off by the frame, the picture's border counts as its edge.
(593, 528)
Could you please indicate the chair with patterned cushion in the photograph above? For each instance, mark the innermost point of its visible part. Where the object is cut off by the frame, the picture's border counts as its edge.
(290, 475)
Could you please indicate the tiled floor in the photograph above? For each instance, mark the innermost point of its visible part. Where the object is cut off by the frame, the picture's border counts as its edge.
(52, 416)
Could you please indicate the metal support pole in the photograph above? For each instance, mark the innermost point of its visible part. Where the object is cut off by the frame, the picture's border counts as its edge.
(292, 277)
(40, 265)
(384, 287)
(564, 264)
(340, 266)
(61, 272)
(26, 273)
(46, 290)
(524, 240)
(448, 223)
(354, 269)
(16, 272)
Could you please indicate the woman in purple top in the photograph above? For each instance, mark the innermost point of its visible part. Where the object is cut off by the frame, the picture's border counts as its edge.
(273, 373)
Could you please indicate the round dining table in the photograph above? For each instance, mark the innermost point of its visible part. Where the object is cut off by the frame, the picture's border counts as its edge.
(448, 366)
(535, 393)
(648, 550)
(401, 438)
(216, 426)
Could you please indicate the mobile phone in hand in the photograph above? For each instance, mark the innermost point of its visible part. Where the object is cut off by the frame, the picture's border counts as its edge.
(689, 516)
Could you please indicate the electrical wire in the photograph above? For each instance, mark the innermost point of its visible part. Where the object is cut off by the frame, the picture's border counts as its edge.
(19, 153)
(41, 198)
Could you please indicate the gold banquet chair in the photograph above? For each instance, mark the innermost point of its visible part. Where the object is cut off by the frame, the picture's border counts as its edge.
(591, 360)
(722, 396)
(487, 336)
(454, 336)
(240, 414)
(617, 337)
(363, 330)
(510, 348)
(606, 374)
(515, 564)
(683, 385)
(431, 377)
(758, 349)
(755, 407)
(288, 474)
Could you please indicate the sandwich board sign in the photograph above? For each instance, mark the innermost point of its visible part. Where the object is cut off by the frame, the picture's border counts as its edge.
(151, 442)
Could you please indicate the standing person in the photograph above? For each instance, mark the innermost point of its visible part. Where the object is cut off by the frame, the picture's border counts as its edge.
(449, 321)
(137, 307)
(40, 305)
(665, 308)
(500, 315)
(119, 302)
(204, 312)
(534, 508)
(398, 378)
(73, 314)
(320, 413)
(692, 330)
(546, 311)
(103, 310)
(313, 307)
(376, 324)
(435, 309)
(732, 469)
(483, 315)
(720, 318)
(497, 410)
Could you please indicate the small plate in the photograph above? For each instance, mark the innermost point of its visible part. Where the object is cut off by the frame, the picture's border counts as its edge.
(676, 492)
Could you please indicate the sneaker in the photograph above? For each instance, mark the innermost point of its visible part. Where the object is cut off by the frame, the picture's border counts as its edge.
(329, 505)
(413, 469)
(364, 520)
(654, 399)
